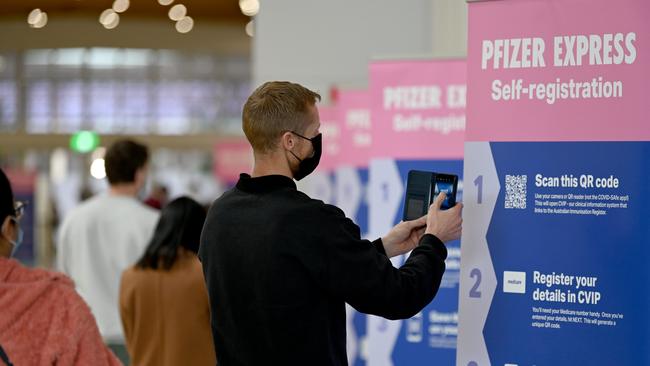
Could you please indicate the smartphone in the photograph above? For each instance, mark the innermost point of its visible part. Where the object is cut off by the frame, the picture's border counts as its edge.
(421, 190)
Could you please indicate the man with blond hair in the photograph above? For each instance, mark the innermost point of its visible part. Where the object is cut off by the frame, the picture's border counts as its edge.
(280, 266)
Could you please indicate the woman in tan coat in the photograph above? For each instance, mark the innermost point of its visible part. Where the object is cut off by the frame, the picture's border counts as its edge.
(163, 298)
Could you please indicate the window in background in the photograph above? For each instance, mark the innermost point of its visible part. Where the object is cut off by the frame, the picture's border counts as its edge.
(129, 91)
(8, 100)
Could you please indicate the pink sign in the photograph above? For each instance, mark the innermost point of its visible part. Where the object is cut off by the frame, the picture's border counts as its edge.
(356, 140)
(231, 158)
(21, 181)
(547, 71)
(331, 130)
(418, 109)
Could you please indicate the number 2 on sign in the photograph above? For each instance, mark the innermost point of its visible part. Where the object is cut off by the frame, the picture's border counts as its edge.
(474, 291)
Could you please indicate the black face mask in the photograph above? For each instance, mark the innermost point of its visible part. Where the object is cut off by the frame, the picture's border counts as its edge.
(308, 165)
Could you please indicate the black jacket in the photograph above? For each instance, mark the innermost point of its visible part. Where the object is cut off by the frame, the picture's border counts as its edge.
(280, 267)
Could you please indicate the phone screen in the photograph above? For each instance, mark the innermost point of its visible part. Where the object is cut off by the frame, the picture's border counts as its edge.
(447, 186)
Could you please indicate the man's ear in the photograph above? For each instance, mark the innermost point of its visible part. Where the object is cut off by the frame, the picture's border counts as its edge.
(141, 176)
(287, 141)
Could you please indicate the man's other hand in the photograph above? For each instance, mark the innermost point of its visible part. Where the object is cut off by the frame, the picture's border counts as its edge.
(404, 237)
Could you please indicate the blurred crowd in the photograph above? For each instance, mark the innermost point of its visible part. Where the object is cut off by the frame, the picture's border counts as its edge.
(128, 286)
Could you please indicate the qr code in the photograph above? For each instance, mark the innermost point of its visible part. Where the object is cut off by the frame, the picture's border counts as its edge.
(516, 191)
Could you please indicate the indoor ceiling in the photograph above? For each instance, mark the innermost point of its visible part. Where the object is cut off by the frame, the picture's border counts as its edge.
(217, 10)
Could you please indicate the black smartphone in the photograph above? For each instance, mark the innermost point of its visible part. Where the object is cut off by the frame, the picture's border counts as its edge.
(423, 187)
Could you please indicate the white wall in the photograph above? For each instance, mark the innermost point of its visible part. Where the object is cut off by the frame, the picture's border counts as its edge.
(324, 43)
(449, 28)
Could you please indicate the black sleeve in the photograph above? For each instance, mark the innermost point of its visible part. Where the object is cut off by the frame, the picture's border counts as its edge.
(361, 274)
(379, 245)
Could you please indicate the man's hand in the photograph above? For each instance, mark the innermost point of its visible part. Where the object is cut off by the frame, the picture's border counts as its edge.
(445, 225)
(404, 237)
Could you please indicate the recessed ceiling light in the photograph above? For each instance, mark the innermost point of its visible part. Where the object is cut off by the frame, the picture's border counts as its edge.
(250, 28)
(107, 16)
(185, 25)
(177, 12)
(249, 7)
(121, 6)
(34, 16)
(41, 22)
(112, 21)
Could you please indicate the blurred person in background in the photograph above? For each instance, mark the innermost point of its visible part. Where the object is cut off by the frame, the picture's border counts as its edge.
(43, 321)
(158, 197)
(163, 298)
(107, 233)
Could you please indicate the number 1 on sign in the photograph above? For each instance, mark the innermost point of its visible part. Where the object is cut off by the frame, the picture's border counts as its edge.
(385, 191)
(478, 182)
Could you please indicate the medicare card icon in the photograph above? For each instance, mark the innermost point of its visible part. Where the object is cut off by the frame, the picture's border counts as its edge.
(514, 282)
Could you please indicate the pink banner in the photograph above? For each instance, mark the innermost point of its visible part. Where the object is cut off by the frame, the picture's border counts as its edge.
(231, 158)
(567, 80)
(331, 130)
(418, 109)
(356, 140)
(21, 180)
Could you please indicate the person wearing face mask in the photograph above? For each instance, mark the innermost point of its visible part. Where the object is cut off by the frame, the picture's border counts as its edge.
(43, 321)
(105, 234)
(280, 266)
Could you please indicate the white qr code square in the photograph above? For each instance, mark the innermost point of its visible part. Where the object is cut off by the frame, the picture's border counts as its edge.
(516, 191)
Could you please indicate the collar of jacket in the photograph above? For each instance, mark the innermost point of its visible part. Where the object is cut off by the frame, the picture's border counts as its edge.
(264, 184)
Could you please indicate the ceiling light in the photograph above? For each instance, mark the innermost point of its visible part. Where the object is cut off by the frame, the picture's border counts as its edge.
(107, 16)
(112, 21)
(185, 25)
(121, 6)
(165, 2)
(177, 12)
(42, 21)
(250, 28)
(249, 7)
(34, 16)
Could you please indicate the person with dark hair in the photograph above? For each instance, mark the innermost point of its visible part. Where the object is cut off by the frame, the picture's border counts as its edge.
(43, 321)
(105, 234)
(163, 299)
(124, 162)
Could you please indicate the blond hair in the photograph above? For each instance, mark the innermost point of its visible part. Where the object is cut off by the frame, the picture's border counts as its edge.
(273, 109)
